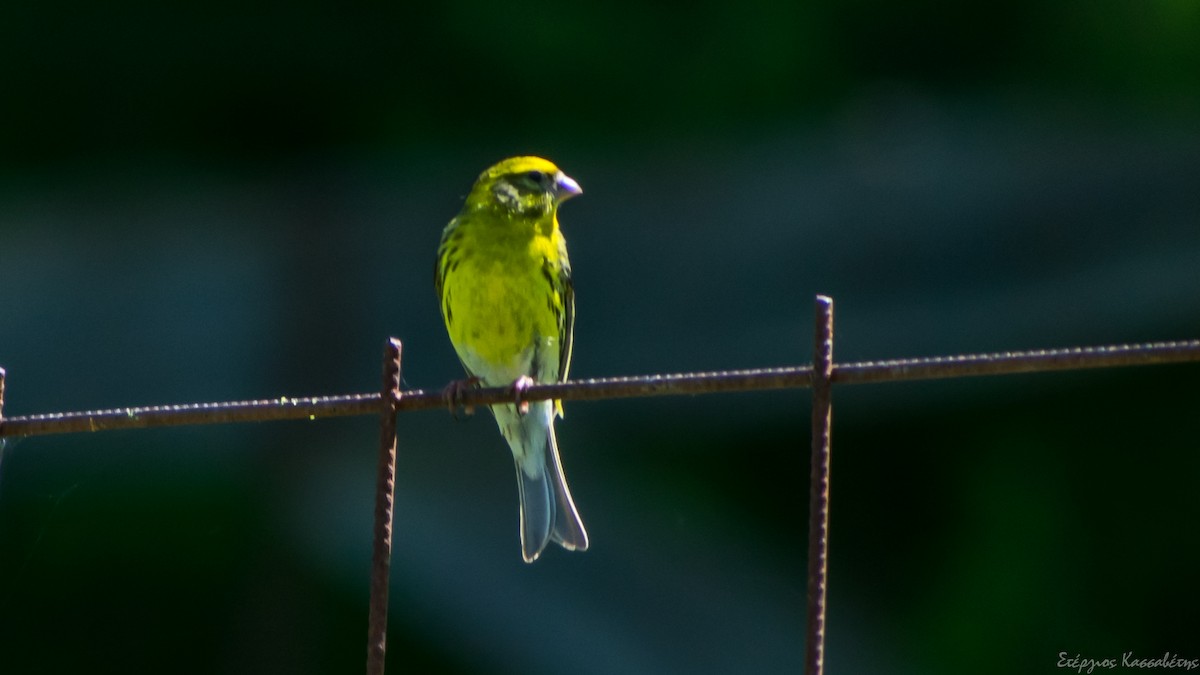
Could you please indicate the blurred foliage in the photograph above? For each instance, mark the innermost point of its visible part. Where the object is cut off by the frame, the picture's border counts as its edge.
(232, 81)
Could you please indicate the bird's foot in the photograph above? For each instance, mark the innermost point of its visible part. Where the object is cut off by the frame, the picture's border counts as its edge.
(523, 382)
(453, 395)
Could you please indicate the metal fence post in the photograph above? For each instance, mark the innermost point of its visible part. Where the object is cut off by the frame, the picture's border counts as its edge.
(818, 489)
(385, 492)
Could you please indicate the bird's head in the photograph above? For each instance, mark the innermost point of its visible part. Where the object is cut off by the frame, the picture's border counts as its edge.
(525, 186)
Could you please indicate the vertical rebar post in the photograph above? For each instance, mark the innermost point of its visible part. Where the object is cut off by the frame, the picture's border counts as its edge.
(385, 492)
(2, 376)
(818, 489)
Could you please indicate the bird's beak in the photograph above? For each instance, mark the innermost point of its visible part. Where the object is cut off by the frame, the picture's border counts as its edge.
(565, 187)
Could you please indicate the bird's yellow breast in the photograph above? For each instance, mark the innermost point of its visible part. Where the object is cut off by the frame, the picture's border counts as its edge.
(499, 303)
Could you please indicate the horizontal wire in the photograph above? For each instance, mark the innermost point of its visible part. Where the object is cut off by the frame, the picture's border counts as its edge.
(759, 379)
(1008, 363)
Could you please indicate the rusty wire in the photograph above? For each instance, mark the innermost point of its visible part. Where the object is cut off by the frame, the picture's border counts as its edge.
(792, 377)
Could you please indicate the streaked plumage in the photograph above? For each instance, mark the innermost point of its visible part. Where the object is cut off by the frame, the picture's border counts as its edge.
(504, 281)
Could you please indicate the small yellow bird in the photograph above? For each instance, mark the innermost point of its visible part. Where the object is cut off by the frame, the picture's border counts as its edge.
(504, 282)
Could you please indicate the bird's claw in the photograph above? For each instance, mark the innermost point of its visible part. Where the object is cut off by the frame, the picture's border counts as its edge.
(523, 382)
(453, 395)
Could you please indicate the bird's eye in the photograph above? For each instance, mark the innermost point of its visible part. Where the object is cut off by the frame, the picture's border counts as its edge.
(536, 177)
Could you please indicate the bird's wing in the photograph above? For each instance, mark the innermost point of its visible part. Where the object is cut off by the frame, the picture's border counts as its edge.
(566, 320)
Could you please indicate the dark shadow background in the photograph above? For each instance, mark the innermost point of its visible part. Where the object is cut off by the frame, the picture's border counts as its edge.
(214, 201)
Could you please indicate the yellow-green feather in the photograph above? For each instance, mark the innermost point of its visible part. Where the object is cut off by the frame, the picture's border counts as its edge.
(504, 280)
(504, 283)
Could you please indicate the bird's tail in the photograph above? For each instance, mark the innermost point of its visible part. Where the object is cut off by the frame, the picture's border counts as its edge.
(547, 510)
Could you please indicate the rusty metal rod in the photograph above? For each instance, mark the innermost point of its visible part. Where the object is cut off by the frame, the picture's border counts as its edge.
(610, 387)
(385, 494)
(818, 489)
(3, 376)
(283, 408)
(1007, 363)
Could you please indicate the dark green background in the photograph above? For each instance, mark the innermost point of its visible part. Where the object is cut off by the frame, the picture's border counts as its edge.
(226, 201)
